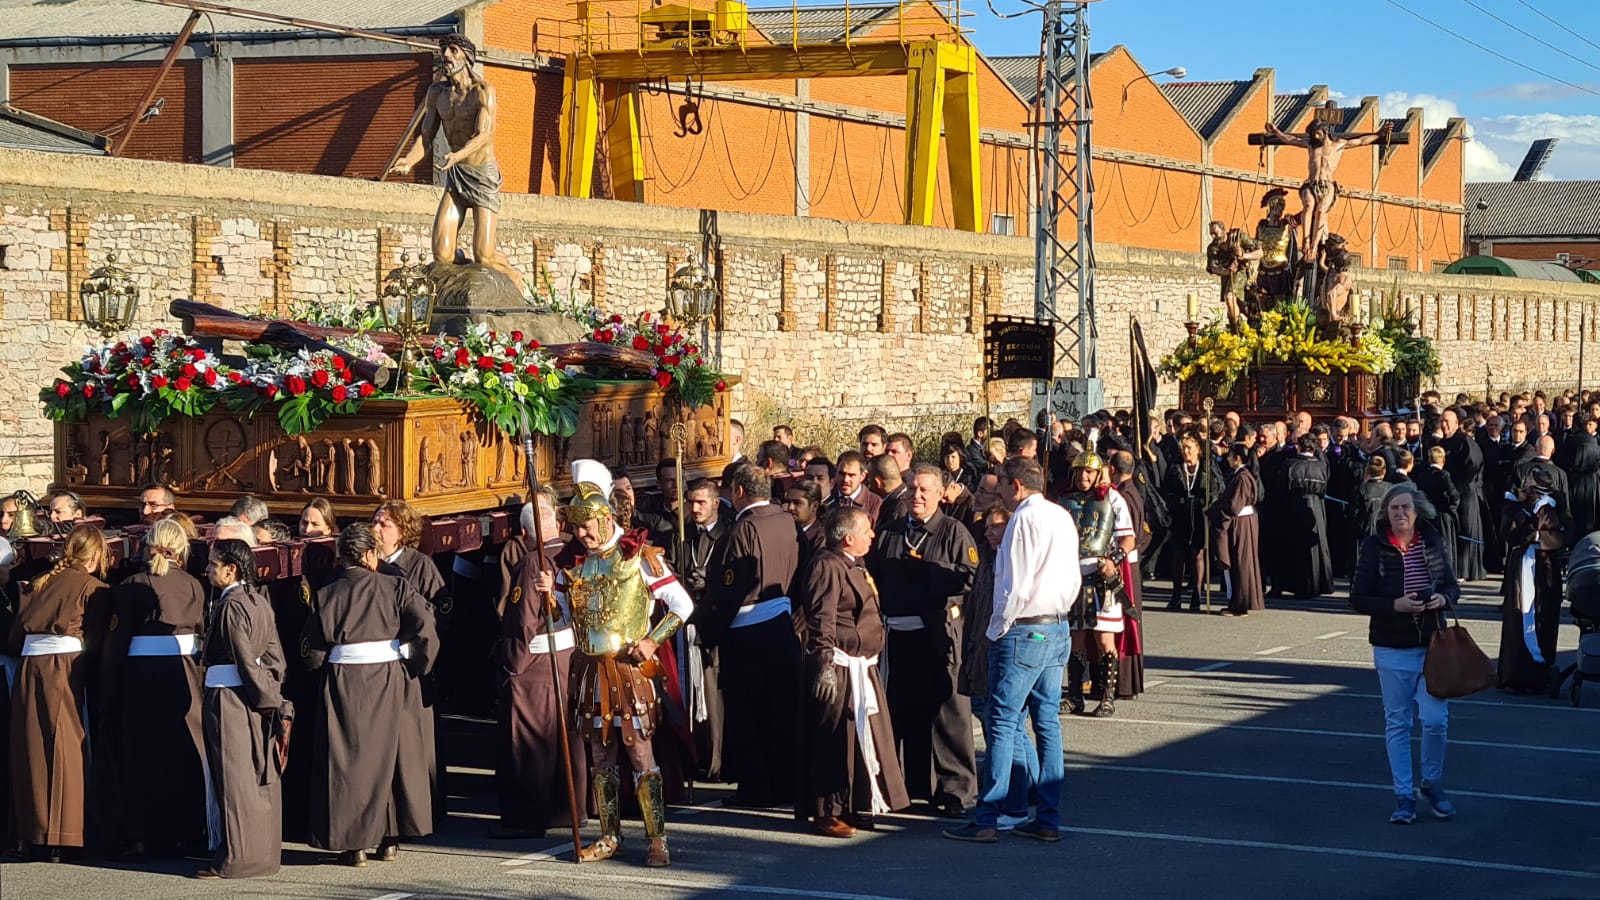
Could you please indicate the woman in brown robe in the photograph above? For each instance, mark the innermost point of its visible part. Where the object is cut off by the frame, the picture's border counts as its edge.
(247, 721)
(370, 634)
(63, 615)
(152, 697)
(1238, 537)
(851, 772)
(398, 530)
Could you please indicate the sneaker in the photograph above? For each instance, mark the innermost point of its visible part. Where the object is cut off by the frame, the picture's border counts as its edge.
(1008, 822)
(1405, 811)
(1441, 807)
(1038, 832)
(972, 833)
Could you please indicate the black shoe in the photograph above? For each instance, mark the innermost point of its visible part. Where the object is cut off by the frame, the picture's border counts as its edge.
(356, 859)
(951, 810)
(389, 851)
(1175, 606)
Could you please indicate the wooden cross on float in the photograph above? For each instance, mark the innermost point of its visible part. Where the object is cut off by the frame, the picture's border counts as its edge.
(1331, 115)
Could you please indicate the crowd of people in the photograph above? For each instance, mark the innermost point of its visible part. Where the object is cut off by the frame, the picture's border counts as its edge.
(818, 631)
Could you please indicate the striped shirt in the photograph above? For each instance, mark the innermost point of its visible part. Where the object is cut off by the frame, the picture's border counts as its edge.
(1416, 567)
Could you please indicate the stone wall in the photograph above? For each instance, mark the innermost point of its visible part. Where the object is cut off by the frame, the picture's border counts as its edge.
(829, 324)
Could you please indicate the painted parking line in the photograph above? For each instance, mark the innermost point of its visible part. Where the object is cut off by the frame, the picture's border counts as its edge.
(1362, 735)
(541, 856)
(1234, 843)
(702, 885)
(1214, 667)
(1330, 635)
(1319, 782)
(1271, 650)
(395, 896)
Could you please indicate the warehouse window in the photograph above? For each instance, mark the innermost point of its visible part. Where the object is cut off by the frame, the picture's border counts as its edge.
(1439, 265)
(1356, 261)
(1397, 264)
(1002, 224)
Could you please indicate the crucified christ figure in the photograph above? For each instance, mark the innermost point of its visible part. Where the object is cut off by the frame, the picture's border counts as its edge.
(1320, 191)
(462, 104)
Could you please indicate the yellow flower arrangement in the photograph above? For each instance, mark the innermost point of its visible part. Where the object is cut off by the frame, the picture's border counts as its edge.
(1284, 335)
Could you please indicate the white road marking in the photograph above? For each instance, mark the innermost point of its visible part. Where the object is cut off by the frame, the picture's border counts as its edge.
(1213, 667)
(541, 856)
(1335, 851)
(1315, 732)
(1338, 692)
(1271, 650)
(700, 885)
(1330, 635)
(1276, 779)
(1151, 684)
(394, 896)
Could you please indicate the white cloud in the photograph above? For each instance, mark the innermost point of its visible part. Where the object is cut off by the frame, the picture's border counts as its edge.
(1577, 155)
(1537, 91)
(1481, 162)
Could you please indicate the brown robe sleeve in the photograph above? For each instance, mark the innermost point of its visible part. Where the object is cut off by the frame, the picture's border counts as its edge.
(821, 587)
(246, 624)
(418, 629)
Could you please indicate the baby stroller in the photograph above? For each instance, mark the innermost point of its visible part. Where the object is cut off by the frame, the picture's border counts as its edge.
(1583, 593)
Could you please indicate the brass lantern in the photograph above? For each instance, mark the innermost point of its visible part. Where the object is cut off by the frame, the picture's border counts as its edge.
(692, 293)
(407, 307)
(109, 298)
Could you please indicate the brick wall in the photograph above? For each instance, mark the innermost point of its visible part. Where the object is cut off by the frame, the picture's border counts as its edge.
(829, 324)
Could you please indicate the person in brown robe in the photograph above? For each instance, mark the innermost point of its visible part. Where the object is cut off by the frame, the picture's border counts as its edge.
(398, 529)
(748, 619)
(851, 770)
(151, 696)
(369, 635)
(247, 721)
(60, 623)
(1238, 537)
(530, 776)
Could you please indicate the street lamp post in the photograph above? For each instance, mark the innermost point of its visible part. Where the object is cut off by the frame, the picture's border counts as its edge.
(1175, 72)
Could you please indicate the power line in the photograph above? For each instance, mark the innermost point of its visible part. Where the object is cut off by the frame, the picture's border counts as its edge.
(1531, 36)
(1495, 53)
(1541, 14)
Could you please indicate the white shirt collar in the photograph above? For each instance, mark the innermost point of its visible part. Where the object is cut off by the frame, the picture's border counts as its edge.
(395, 555)
(756, 505)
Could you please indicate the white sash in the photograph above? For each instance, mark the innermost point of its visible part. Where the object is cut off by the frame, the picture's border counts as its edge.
(1246, 511)
(223, 676)
(864, 705)
(695, 673)
(163, 645)
(367, 652)
(756, 613)
(1530, 636)
(541, 642)
(50, 644)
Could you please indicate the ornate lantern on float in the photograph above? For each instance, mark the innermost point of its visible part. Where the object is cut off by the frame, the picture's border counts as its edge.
(109, 298)
(692, 293)
(407, 307)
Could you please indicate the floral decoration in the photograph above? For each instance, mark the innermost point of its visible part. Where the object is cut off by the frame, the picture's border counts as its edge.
(1287, 334)
(150, 378)
(680, 366)
(503, 375)
(304, 387)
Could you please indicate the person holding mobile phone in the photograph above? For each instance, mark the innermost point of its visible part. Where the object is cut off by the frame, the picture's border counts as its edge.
(1404, 580)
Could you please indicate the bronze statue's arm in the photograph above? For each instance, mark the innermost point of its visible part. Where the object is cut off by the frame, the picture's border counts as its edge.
(483, 133)
(425, 132)
(1293, 140)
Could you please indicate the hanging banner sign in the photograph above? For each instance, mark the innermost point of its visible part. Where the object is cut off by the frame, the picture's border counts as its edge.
(1018, 348)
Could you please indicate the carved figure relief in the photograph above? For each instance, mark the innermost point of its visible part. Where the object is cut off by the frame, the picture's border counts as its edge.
(77, 470)
(374, 468)
(424, 474)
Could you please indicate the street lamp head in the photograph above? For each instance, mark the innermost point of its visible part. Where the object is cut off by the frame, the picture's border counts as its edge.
(1177, 72)
(109, 298)
(1482, 204)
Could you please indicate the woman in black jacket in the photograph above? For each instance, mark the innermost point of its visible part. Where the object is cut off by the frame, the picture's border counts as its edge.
(1405, 581)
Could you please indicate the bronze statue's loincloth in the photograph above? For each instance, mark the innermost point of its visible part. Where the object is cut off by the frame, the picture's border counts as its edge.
(473, 187)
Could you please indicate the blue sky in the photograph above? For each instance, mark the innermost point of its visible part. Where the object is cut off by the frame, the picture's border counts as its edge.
(1374, 48)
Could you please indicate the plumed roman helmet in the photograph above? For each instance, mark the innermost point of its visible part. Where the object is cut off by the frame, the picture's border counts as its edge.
(1089, 459)
(591, 492)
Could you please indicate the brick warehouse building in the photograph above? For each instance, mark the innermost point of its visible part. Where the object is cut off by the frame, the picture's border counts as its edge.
(1168, 157)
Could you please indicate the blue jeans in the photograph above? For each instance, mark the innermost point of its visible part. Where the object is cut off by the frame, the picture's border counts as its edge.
(1024, 766)
(1025, 667)
(1400, 680)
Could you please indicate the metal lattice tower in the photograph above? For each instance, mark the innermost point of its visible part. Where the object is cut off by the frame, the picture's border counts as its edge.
(1063, 262)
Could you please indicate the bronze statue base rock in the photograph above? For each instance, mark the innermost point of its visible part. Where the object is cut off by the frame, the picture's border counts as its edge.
(469, 293)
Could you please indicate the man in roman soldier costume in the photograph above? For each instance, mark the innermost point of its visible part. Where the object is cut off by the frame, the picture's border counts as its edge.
(1105, 537)
(612, 589)
(1275, 237)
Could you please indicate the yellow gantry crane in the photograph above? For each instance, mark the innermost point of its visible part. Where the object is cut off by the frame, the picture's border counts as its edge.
(713, 40)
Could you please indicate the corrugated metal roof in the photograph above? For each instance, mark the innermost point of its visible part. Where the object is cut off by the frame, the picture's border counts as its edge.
(818, 24)
(1022, 72)
(1287, 107)
(21, 130)
(1535, 209)
(1206, 104)
(1434, 140)
(1507, 267)
(27, 20)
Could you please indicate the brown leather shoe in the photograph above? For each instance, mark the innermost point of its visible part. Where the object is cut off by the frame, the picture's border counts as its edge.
(832, 826)
(657, 857)
(604, 848)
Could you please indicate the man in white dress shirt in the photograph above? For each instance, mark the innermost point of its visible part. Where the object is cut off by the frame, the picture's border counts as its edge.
(1036, 582)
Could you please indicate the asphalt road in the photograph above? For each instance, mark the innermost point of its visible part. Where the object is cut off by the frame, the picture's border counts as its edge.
(1253, 766)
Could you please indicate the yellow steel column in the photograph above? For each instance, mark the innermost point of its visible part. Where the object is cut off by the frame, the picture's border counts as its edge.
(961, 137)
(623, 150)
(924, 117)
(580, 115)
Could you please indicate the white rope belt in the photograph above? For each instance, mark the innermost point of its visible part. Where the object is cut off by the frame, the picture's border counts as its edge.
(1247, 511)
(163, 645)
(903, 623)
(541, 643)
(863, 706)
(223, 676)
(756, 613)
(50, 644)
(367, 652)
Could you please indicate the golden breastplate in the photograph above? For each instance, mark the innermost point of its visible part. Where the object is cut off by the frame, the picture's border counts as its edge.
(1274, 241)
(610, 603)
